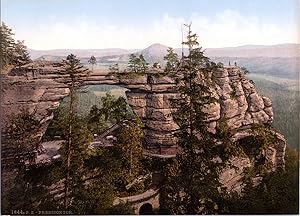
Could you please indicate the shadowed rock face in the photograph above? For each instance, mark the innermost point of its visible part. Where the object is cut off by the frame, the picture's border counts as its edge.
(238, 102)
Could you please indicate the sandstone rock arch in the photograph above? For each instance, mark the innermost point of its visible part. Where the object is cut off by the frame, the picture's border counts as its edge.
(237, 97)
(238, 101)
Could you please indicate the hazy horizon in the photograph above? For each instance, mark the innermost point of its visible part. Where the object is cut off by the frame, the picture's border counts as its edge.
(179, 47)
(69, 24)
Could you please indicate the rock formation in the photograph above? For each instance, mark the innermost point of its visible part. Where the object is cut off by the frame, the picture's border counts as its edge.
(40, 90)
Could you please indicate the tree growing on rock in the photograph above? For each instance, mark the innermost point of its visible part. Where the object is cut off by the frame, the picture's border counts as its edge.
(76, 73)
(245, 70)
(194, 187)
(18, 153)
(74, 155)
(7, 45)
(172, 60)
(21, 54)
(137, 64)
(12, 53)
(96, 121)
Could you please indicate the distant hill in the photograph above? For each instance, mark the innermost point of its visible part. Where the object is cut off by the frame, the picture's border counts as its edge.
(248, 51)
(157, 51)
(280, 50)
(83, 53)
(154, 53)
(49, 58)
(282, 60)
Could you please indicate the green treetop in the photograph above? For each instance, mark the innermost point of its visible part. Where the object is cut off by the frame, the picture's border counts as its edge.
(191, 41)
(137, 64)
(172, 60)
(21, 54)
(12, 53)
(7, 45)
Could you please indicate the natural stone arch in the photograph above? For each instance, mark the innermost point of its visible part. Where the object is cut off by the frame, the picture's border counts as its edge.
(148, 100)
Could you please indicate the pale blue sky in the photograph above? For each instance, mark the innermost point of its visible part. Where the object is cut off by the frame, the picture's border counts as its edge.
(51, 24)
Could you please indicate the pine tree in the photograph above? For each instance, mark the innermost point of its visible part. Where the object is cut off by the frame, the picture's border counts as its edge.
(120, 109)
(245, 70)
(12, 53)
(137, 64)
(143, 65)
(23, 137)
(95, 120)
(172, 60)
(7, 45)
(76, 72)
(194, 186)
(21, 55)
(130, 148)
(114, 69)
(75, 157)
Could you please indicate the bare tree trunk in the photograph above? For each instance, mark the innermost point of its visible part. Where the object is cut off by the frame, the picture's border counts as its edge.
(69, 143)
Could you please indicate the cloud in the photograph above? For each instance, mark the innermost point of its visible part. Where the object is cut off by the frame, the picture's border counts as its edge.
(228, 28)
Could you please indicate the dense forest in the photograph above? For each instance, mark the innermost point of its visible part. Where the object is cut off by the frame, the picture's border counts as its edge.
(286, 108)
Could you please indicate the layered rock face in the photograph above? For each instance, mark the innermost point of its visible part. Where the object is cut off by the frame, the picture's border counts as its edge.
(18, 94)
(149, 97)
(238, 103)
(152, 104)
